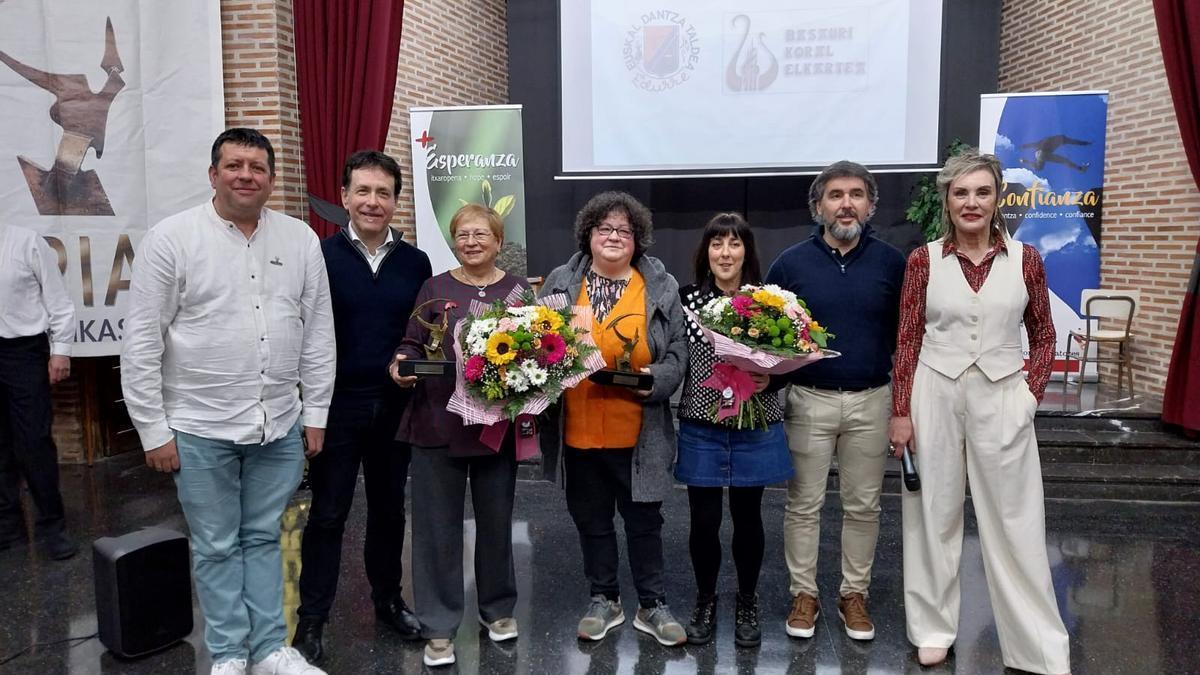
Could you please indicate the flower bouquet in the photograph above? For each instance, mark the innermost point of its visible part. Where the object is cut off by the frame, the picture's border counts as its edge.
(758, 329)
(517, 357)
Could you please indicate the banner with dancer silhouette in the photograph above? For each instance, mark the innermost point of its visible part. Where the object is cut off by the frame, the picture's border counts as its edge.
(109, 110)
(1052, 149)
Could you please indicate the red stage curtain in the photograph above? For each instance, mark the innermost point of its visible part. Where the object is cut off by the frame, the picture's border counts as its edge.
(1179, 33)
(346, 54)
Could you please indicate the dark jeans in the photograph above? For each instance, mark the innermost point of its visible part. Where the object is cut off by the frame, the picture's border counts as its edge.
(704, 540)
(439, 495)
(598, 484)
(358, 432)
(27, 450)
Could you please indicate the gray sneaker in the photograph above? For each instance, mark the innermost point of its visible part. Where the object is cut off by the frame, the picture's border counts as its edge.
(660, 624)
(601, 616)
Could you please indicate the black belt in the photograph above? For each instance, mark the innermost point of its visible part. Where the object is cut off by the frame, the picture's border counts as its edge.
(25, 341)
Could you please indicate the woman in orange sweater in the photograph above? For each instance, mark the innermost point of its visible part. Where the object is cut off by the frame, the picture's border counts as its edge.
(616, 444)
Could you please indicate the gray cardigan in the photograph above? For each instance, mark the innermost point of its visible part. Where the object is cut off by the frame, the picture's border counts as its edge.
(654, 455)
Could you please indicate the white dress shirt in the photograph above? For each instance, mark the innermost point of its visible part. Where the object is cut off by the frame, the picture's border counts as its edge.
(225, 332)
(33, 298)
(373, 259)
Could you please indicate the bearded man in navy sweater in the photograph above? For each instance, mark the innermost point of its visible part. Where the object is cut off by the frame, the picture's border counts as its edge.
(374, 277)
(851, 281)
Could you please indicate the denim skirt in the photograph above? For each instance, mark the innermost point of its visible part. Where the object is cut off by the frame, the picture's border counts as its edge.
(715, 456)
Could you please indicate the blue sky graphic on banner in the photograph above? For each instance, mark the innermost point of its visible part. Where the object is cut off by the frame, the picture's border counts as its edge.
(1052, 149)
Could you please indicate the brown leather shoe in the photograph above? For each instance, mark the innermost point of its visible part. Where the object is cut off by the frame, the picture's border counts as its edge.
(853, 610)
(802, 619)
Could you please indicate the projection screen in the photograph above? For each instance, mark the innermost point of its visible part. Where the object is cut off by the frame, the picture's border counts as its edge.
(652, 86)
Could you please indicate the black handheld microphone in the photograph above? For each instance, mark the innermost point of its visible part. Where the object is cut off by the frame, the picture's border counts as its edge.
(912, 480)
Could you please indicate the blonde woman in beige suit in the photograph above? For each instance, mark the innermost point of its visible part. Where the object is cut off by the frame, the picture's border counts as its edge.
(965, 409)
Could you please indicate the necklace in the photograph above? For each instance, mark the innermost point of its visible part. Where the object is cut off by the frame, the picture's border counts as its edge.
(462, 272)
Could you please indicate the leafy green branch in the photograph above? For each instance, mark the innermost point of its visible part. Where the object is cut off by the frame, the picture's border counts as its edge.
(925, 209)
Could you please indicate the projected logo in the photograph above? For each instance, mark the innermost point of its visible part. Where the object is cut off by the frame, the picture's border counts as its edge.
(753, 66)
(63, 189)
(661, 50)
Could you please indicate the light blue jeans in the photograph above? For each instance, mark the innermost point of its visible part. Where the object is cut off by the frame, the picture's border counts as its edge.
(233, 497)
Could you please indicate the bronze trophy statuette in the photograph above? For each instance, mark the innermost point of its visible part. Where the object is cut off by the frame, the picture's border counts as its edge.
(66, 189)
(435, 363)
(624, 375)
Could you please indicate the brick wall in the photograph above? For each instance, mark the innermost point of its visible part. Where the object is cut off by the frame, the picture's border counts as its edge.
(259, 53)
(1151, 204)
(452, 52)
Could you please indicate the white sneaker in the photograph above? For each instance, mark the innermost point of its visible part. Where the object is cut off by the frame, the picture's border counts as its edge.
(439, 652)
(285, 661)
(501, 629)
(229, 667)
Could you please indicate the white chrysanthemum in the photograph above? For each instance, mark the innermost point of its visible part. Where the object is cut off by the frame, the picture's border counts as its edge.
(715, 307)
(788, 296)
(536, 375)
(481, 328)
(477, 345)
(517, 381)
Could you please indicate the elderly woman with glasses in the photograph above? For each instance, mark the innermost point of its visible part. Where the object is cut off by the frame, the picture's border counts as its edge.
(965, 409)
(448, 454)
(617, 444)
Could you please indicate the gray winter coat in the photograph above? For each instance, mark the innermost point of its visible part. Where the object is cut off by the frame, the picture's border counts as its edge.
(654, 455)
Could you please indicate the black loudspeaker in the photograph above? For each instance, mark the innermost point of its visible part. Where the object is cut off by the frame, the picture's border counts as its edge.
(143, 591)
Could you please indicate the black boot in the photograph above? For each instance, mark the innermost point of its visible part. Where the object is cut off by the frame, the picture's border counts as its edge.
(399, 617)
(59, 545)
(308, 639)
(746, 632)
(704, 620)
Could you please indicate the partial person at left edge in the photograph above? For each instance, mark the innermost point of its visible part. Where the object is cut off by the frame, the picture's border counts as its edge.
(229, 322)
(374, 277)
(37, 320)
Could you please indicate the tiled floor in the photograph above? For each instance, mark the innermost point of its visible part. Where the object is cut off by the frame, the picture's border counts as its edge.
(1127, 576)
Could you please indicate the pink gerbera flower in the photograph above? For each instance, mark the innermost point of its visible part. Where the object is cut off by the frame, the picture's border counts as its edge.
(554, 348)
(473, 370)
(741, 304)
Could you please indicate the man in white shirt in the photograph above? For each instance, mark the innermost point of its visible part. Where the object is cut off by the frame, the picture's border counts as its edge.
(229, 323)
(37, 327)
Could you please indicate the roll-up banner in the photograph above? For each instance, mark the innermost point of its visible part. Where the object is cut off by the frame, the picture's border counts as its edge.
(109, 110)
(468, 155)
(1052, 149)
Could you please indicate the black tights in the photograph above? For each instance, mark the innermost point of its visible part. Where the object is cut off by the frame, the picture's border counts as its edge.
(704, 542)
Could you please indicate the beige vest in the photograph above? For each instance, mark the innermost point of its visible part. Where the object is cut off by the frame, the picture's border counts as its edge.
(964, 328)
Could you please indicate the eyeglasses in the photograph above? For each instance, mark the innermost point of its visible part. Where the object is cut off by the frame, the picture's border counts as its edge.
(482, 236)
(605, 231)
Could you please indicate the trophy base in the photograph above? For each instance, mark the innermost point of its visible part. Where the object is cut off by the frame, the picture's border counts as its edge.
(424, 368)
(623, 378)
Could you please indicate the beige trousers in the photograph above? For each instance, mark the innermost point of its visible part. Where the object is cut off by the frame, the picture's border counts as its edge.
(820, 423)
(974, 429)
